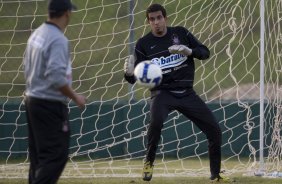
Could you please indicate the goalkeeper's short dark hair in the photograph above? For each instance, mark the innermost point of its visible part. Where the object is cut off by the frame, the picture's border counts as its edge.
(155, 8)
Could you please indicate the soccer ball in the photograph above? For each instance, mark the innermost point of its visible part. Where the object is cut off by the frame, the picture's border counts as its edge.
(147, 74)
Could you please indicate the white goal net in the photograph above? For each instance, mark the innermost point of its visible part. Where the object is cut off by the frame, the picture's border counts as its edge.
(109, 137)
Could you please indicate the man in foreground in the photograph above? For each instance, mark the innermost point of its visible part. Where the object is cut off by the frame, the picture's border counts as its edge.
(48, 76)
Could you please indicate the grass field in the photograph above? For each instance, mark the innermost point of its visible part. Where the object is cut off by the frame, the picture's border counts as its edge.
(163, 173)
(156, 180)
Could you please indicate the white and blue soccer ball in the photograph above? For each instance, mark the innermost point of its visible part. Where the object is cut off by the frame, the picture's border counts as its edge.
(147, 74)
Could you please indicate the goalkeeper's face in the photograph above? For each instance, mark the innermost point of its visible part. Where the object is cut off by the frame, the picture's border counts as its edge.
(158, 23)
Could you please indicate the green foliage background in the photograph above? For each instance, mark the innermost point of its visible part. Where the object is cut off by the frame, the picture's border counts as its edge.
(100, 41)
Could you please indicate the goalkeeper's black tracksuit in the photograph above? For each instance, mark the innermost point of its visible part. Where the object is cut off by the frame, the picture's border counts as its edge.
(176, 89)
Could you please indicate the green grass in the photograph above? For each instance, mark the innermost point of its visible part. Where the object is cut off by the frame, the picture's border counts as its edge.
(169, 180)
(163, 173)
(155, 180)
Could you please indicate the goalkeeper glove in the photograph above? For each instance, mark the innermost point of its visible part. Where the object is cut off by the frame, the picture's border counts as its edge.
(129, 65)
(180, 49)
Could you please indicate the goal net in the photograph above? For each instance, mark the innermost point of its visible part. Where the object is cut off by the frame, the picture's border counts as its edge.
(108, 138)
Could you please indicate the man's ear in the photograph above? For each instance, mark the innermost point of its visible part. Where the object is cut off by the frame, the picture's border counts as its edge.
(68, 13)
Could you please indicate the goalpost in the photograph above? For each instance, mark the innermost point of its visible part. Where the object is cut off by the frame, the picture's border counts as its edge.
(241, 82)
(261, 122)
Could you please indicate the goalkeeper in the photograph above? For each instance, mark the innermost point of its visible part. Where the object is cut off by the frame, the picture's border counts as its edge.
(174, 49)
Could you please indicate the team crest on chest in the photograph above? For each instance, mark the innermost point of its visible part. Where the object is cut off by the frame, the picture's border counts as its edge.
(175, 39)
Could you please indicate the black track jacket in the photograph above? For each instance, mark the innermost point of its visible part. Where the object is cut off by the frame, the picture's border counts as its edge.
(178, 70)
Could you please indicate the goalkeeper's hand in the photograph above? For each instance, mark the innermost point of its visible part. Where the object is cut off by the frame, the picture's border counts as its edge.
(129, 65)
(180, 49)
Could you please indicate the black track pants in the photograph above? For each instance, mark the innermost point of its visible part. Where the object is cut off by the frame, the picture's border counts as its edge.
(193, 107)
(48, 138)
